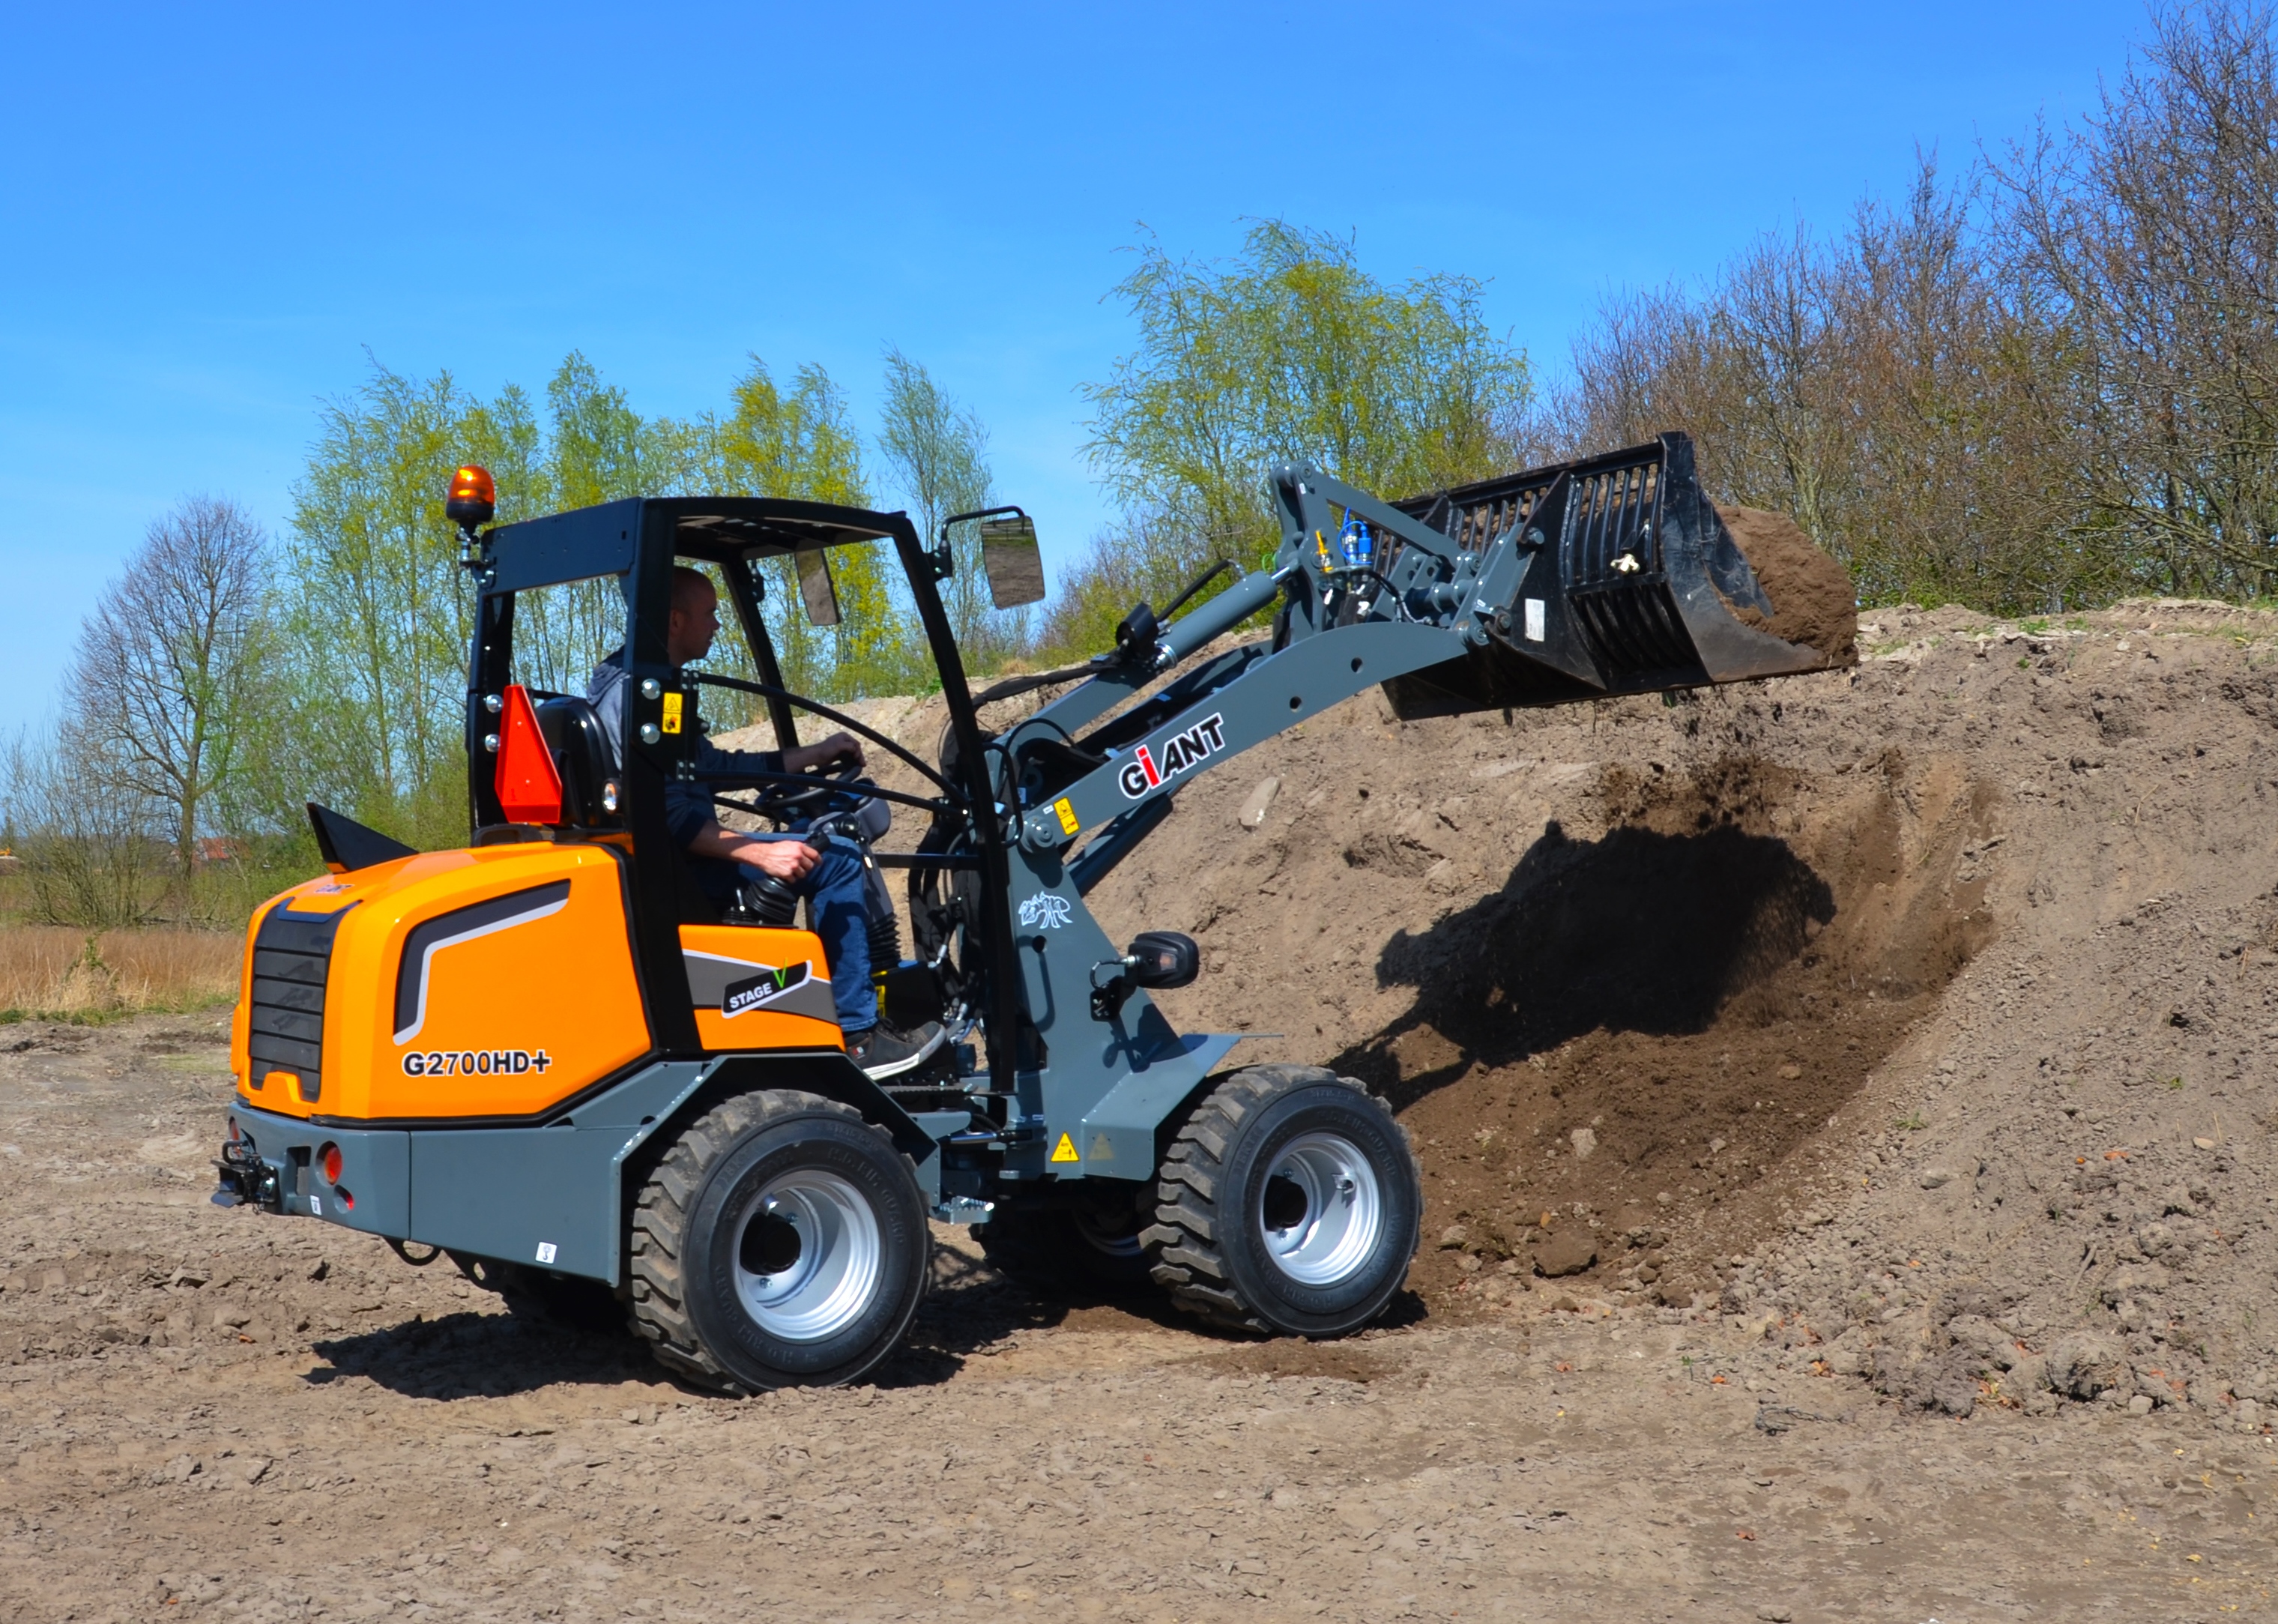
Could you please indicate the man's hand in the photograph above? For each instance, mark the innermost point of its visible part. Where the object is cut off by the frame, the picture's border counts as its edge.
(825, 753)
(786, 860)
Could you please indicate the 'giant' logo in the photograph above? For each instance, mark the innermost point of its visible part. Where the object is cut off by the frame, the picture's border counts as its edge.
(1206, 738)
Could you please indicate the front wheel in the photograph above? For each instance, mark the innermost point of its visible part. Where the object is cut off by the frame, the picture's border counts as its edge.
(1290, 1202)
(780, 1242)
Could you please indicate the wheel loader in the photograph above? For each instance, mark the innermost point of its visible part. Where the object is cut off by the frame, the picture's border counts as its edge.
(551, 1058)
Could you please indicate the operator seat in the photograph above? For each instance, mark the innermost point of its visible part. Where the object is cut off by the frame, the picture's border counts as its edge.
(581, 754)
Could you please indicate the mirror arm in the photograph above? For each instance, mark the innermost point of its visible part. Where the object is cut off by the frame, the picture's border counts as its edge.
(942, 565)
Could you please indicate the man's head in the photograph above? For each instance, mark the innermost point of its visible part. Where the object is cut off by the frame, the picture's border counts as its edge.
(694, 619)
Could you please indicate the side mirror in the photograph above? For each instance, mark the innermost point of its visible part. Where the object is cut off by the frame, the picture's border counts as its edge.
(1010, 558)
(816, 589)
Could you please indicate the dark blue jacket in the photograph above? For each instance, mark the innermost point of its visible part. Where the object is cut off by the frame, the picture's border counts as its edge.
(687, 806)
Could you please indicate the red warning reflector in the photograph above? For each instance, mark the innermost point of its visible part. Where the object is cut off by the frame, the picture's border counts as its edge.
(529, 787)
(329, 1158)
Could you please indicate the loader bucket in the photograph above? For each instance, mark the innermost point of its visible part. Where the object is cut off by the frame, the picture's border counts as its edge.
(1632, 584)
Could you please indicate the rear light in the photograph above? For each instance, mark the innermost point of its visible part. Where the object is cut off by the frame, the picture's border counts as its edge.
(235, 1135)
(347, 1201)
(330, 1158)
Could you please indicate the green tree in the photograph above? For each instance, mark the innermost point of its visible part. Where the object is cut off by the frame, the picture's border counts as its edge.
(802, 443)
(1294, 352)
(937, 454)
(380, 612)
(595, 448)
(1291, 352)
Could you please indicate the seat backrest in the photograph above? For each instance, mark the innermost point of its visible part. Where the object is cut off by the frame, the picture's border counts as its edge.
(581, 754)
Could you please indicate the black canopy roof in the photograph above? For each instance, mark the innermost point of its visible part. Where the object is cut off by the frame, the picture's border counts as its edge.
(585, 542)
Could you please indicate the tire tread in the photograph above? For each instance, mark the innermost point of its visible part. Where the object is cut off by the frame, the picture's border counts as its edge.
(1189, 1260)
(661, 1312)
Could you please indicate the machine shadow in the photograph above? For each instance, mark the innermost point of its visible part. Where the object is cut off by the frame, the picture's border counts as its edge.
(969, 1310)
(482, 1355)
(1638, 932)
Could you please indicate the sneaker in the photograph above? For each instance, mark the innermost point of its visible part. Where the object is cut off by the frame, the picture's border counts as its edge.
(882, 1052)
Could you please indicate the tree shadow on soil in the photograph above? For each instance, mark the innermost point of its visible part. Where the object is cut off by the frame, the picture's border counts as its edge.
(1639, 932)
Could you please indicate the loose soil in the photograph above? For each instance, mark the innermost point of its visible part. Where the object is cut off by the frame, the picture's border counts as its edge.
(1813, 601)
(1845, 1108)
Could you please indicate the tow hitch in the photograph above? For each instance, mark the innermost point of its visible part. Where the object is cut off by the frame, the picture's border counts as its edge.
(245, 1178)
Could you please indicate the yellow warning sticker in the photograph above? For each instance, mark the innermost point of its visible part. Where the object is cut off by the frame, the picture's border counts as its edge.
(1064, 1151)
(1101, 1150)
(672, 713)
(1069, 821)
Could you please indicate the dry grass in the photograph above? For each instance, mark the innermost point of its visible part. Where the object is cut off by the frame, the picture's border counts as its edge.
(48, 970)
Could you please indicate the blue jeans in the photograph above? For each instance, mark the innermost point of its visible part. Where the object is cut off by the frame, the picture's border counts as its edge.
(835, 902)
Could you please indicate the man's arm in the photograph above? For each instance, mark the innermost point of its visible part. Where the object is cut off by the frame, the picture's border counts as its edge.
(824, 752)
(786, 860)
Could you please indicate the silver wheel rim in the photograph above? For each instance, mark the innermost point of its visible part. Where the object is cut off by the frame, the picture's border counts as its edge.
(807, 1256)
(1332, 1235)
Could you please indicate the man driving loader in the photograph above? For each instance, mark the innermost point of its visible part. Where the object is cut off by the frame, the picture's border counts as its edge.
(826, 871)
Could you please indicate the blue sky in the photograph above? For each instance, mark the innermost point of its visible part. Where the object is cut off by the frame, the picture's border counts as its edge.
(207, 218)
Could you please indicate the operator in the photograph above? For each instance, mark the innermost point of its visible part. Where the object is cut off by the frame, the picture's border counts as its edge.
(831, 878)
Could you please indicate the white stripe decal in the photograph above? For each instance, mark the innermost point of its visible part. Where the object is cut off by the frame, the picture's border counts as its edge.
(722, 958)
(428, 957)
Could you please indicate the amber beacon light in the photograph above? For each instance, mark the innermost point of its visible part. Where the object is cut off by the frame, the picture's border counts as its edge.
(474, 497)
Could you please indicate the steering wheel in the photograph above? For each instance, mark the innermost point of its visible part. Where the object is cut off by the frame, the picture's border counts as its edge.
(829, 782)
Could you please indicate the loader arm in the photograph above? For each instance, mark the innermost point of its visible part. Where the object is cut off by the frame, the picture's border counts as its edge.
(1609, 576)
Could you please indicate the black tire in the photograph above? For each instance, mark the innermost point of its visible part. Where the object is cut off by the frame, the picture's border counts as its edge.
(1238, 1238)
(812, 1290)
(569, 1302)
(1093, 1245)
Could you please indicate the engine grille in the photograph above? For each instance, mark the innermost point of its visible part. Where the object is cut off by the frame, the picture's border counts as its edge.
(292, 956)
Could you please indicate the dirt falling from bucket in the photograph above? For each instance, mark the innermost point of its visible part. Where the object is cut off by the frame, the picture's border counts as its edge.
(1812, 600)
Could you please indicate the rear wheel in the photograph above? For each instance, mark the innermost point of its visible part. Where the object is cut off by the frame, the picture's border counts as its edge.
(780, 1242)
(1290, 1202)
(1092, 1244)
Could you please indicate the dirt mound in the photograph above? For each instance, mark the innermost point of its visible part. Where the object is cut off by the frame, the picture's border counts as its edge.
(1818, 1000)
(1812, 999)
(1691, 991)
(1812, 600)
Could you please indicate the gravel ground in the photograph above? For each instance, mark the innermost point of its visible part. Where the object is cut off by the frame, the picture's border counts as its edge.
(210, 1412)
(1846, 1112)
